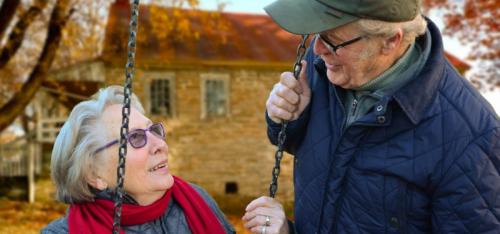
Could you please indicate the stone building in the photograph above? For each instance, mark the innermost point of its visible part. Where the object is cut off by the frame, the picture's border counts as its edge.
(209, 90)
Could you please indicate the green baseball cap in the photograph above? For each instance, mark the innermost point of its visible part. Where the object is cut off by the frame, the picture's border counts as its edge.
(313, 16)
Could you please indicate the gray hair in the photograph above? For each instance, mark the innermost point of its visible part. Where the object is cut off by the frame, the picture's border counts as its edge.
(72, 155)
(411, 29)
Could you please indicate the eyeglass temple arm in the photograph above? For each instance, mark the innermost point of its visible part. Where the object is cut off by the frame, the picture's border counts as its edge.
(106, 146)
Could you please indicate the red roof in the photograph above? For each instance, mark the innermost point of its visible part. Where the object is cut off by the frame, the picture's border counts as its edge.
(459, 64)
(246, 38)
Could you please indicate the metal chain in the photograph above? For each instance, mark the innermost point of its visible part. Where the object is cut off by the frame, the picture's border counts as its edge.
(297, 67)
(127, 93)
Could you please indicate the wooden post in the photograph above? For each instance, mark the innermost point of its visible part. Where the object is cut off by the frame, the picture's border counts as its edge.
(32, 150)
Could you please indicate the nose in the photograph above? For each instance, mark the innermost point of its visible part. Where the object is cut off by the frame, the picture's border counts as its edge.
(156, 144)
(319, 47)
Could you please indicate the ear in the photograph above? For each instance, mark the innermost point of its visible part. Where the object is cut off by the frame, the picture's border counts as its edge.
(97, 182)
(392, 43)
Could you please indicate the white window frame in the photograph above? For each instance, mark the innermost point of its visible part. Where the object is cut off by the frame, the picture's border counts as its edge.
(150, 77)
(224, 77)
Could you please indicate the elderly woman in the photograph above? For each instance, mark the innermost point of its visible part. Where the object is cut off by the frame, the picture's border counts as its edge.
(84, 161)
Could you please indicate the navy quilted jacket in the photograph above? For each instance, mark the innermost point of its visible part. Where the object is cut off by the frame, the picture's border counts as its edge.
(424, 160)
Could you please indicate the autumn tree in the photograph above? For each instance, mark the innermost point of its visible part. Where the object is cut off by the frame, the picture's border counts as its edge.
(33, 34)
(475, 22)
(52, 34)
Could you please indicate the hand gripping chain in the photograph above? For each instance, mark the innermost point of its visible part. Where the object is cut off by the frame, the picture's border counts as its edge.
(297, 67)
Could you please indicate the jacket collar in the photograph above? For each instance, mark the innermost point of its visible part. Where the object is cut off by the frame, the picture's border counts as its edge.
(415, 97)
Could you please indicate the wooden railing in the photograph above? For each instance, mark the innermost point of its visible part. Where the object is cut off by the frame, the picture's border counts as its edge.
(21, 157)
(48, 129)
(14, 158)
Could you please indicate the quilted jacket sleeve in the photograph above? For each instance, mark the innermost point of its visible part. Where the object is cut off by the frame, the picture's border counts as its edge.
(295, 129)
(294, 132)
(467, 198)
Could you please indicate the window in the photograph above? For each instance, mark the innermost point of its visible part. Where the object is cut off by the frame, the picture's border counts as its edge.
(161, 95)
(215, 95)
(231, 188)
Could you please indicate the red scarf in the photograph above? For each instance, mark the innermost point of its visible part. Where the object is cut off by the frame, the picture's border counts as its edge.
(97, 217)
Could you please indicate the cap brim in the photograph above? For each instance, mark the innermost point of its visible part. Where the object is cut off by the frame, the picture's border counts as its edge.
(306, 16)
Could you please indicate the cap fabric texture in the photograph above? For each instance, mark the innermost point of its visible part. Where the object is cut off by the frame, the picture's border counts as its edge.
(313, 16)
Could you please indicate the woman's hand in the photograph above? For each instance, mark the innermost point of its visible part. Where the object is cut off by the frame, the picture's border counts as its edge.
(265, 215)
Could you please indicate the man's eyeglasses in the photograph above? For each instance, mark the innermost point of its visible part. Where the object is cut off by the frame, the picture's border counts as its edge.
(333, 48)
(138, 138)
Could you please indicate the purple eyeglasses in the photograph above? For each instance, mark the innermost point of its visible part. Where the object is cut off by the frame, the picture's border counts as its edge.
(138, 138)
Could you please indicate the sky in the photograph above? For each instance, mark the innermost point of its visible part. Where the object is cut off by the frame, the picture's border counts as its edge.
(253, 6)
(256, 7)
(451, 45)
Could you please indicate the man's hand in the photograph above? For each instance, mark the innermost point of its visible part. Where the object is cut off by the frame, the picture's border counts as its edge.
(289, 97)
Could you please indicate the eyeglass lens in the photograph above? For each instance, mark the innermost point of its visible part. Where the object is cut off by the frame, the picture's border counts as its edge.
(138, 137)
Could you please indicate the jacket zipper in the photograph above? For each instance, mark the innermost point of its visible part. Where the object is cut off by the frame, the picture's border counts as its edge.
(344, 128)
(354, 105)
(353, 112)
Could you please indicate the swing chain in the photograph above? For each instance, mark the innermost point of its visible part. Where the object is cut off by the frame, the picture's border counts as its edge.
(127, 93)
(297, 67)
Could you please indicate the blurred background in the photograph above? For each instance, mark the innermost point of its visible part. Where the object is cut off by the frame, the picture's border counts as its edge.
(203, 67)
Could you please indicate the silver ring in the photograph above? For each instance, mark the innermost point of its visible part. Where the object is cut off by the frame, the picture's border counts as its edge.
(268, 220)
(263, 230)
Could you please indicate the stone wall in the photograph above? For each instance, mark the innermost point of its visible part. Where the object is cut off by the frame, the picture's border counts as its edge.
(213, 152)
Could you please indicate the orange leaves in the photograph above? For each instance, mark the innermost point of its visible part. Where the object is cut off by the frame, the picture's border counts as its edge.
(474, 21)
(160, 23)
(471, 9)
(177, 25)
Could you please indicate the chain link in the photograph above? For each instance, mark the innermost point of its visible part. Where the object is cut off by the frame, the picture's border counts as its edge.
(127, 93)
(297, 67)
(129, 70)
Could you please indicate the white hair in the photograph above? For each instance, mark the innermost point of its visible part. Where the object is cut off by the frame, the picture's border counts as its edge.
(411, 29)
(377, 28)
(73, 153)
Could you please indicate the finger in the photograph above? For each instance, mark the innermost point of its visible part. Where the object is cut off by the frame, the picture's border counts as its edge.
(288, 80)
(261, 201)
(256, 220)
(269, 230)
(288, 94)
(278, 113)
(278, 101)
(260, 212)
(253, 222)
(284, 104)
(274, 211)
(259, 230)
(261, 220)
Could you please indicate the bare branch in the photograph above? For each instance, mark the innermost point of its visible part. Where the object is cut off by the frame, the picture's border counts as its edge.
(21, 99)
(7, 12)
(17, 35)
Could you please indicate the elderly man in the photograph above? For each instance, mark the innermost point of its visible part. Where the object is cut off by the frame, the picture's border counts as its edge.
(387, 136)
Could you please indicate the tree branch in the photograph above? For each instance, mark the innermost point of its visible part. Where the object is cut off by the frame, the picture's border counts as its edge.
(17, 35)
(21, 99)
(7, 12)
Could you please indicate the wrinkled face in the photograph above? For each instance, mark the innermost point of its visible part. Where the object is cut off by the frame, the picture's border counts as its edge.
(353, 65)
(146, 169)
